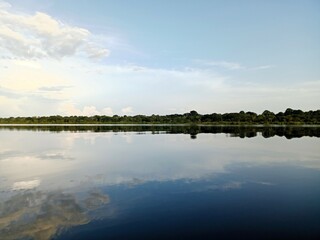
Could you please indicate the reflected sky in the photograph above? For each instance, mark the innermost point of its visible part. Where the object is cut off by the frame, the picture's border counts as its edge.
(50, 181)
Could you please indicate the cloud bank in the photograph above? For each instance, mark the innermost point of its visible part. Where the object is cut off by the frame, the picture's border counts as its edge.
(42, 36)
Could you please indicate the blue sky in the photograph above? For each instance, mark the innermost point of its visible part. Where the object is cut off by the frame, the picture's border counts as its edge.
(145, 57)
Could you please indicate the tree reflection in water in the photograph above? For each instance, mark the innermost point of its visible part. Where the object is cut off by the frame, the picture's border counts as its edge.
(242, 131)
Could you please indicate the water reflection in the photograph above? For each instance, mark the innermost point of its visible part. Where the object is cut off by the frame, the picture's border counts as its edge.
(61, 177)
(242, 131)
(40, 215)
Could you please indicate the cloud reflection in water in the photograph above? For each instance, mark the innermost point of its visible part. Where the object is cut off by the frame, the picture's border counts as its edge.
(39, 215)
(49, 187)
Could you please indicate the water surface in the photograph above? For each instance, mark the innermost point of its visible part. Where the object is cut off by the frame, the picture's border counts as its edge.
(159, 182)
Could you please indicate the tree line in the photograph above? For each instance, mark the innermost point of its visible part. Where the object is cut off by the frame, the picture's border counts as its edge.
(289, 116)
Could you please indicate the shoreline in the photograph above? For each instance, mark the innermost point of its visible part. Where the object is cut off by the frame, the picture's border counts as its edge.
(156, 124)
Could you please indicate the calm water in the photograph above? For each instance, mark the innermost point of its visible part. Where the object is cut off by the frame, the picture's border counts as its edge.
(159, 182)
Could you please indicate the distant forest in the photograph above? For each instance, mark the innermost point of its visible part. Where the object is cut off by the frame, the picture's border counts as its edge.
(290, 116)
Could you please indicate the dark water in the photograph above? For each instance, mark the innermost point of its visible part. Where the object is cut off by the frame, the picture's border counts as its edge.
(159, 182)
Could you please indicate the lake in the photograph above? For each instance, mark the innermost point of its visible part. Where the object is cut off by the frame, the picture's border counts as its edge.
(159, 182)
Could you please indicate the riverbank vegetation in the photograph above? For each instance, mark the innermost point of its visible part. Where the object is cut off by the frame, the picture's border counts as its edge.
(289, 116)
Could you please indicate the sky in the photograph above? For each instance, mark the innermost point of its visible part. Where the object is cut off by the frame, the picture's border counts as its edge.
(158, 57)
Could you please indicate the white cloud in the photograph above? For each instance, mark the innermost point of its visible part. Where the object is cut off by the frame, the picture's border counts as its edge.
(25, 77)
(42, 36)
(25, 63)
(96, 52)
(10, 105)
(90, 111)
(227, 65)
(183, 89)
(107, 111)
(127, 110)
(4, 5)
(263, 67)
(231, 65)
(69, 109)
